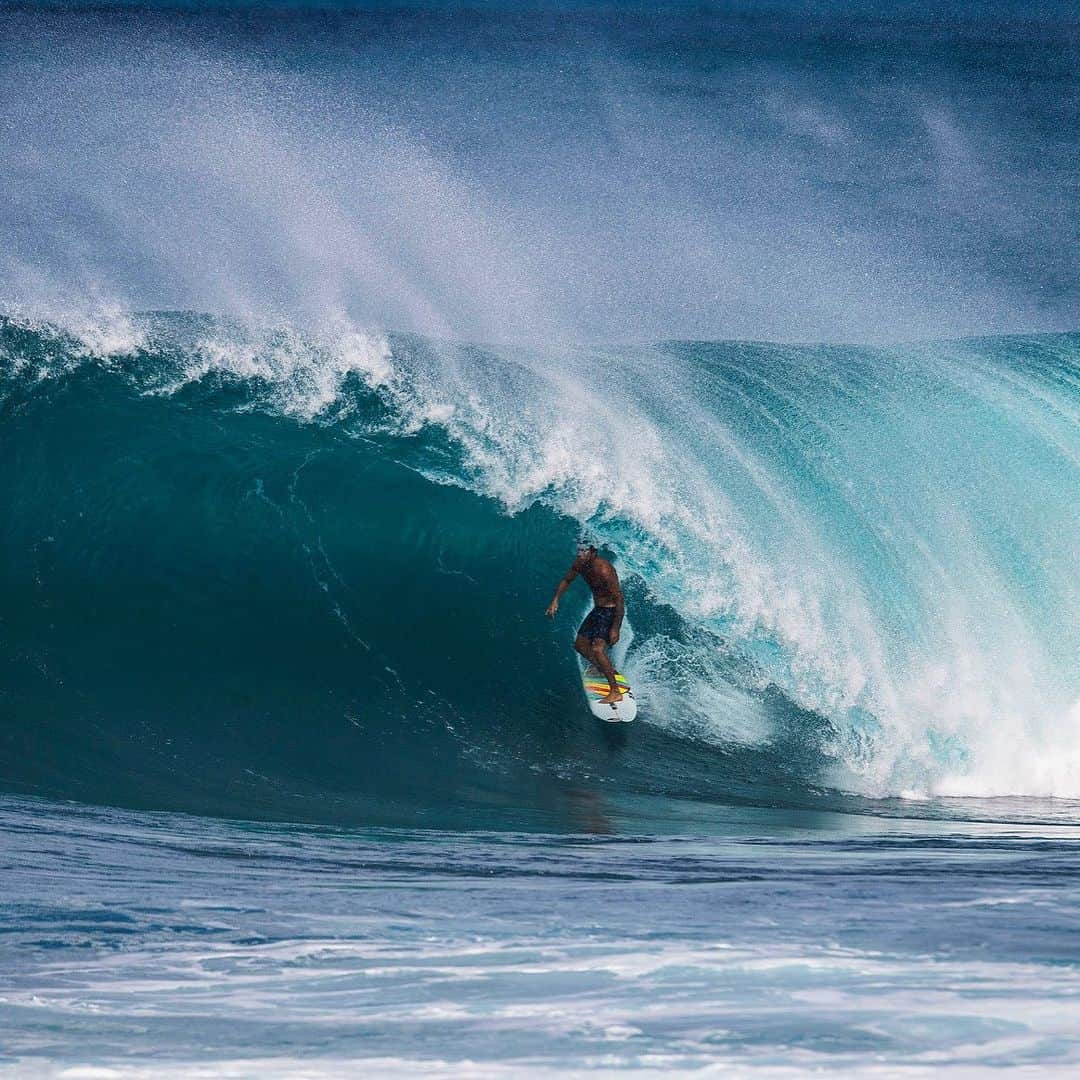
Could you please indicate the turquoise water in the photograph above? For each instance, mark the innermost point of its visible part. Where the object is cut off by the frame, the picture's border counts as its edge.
(325, 330)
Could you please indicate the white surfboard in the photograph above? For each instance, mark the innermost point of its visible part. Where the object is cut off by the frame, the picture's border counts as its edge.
(596, 686)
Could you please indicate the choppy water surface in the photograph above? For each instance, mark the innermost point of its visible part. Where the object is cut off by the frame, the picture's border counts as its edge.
(154, 944)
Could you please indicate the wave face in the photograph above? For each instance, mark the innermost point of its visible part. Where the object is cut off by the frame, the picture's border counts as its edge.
(261, 560)
(272, 574)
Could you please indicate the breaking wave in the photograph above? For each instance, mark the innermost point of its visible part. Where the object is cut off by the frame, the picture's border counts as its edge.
(285, 574)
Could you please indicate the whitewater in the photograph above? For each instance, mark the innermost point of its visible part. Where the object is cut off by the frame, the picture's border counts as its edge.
(324, 333)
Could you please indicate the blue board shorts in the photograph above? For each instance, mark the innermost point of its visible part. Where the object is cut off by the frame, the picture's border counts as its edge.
(597, 623)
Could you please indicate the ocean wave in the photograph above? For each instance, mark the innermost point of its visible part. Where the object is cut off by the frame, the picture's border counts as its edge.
(276, 571)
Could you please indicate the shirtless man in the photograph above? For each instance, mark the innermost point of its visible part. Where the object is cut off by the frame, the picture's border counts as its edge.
(601, 625)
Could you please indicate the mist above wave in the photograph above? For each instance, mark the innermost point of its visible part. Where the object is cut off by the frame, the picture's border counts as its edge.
(517, 173)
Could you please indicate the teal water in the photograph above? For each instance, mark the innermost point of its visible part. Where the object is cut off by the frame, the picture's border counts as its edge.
(271, 577)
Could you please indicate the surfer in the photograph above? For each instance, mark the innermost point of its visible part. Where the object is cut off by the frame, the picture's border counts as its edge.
(601, 626)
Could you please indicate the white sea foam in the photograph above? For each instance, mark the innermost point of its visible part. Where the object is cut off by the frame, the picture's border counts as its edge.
(305, 376)
(96, 330)
(966, 1016)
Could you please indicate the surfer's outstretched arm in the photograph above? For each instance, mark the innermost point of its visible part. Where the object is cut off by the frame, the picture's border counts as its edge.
(560, 589)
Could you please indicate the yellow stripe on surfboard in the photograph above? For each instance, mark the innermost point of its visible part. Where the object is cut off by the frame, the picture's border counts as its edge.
(595, 686)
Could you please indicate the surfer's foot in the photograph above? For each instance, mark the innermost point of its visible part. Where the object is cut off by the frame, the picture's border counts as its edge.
(611, 697)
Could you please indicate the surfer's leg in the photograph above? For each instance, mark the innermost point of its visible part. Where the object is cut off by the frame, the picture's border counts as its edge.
(599, 657)
(584, 646)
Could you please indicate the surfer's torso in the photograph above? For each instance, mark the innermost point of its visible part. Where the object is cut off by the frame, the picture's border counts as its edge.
(601, 577)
